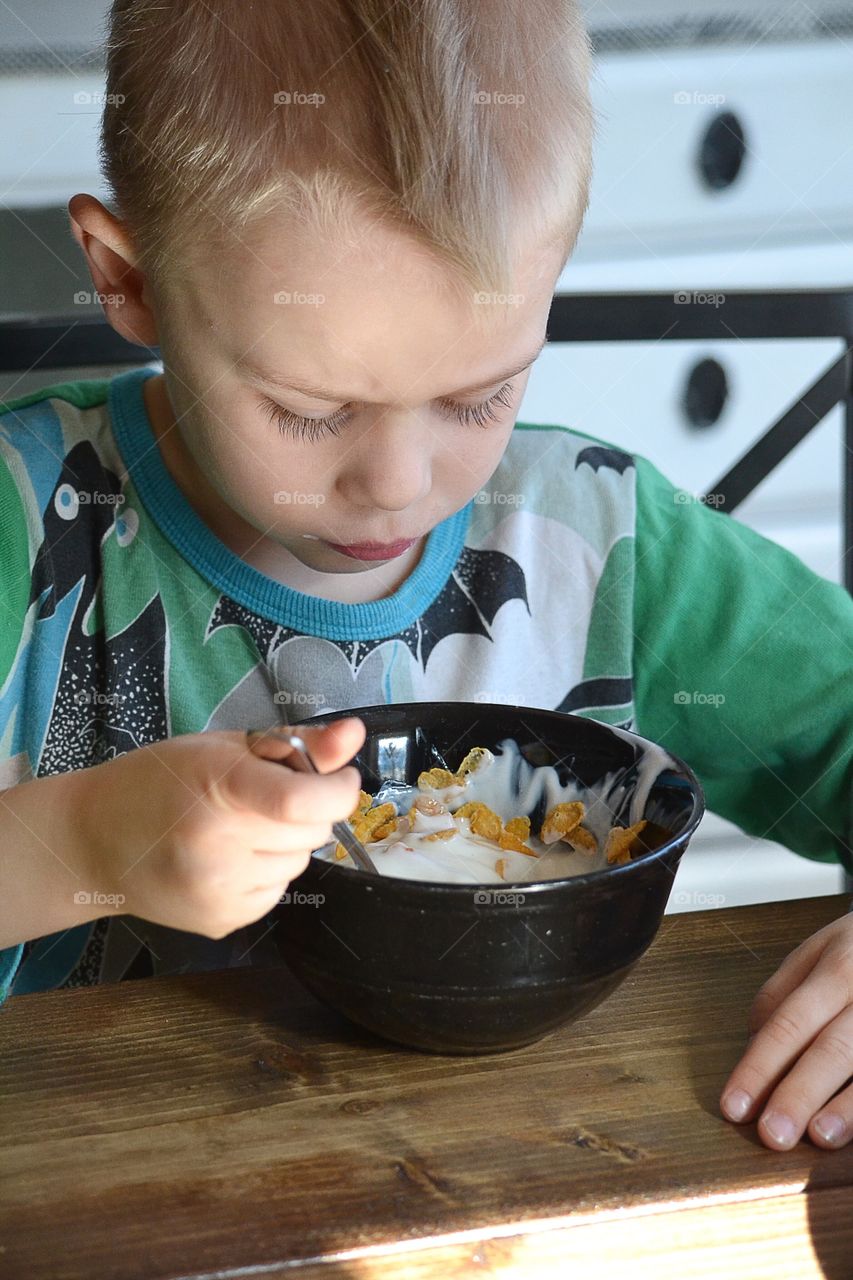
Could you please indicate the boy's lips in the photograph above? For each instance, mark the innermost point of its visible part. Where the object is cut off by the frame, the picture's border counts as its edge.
(374, 550)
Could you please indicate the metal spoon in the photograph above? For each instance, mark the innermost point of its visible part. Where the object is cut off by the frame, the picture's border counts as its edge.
(300, 754)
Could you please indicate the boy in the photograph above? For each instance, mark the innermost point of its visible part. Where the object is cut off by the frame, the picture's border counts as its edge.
(343, 227)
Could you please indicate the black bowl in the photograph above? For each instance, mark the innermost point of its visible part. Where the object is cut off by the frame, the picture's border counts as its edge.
(453, 969)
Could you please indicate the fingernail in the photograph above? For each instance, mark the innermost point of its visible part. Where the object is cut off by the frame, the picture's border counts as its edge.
(830, 1127)
(781, 1128)
(736, 1104)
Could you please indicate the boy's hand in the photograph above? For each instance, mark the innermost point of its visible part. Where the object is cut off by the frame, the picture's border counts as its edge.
(199, 833)
(801, 1050)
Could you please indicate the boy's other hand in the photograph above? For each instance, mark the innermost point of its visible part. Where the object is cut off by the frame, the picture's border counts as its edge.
(800, 1053)
(198, 833)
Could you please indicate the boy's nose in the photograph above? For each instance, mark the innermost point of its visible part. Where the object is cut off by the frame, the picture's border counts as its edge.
(390, 467)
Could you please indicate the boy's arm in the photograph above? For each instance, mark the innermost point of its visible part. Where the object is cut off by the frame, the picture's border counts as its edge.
(743, 661)
(47, 883)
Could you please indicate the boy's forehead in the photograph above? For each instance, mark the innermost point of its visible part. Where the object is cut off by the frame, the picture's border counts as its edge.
(361, 252)
(280, 246)
(372, 317)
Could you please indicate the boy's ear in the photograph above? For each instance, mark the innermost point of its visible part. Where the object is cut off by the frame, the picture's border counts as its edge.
(121, 287)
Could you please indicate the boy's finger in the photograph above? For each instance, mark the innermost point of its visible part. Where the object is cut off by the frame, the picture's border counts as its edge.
(792, 972)
(330, 745)
(778, 1045)
(281, 794)
(277, 839)
(814, 1078)
(276, 870)
(334, 744)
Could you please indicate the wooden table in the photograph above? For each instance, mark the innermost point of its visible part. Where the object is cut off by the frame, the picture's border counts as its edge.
(227, 1124)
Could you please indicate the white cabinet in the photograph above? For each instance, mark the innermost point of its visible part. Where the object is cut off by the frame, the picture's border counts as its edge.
(792, 103)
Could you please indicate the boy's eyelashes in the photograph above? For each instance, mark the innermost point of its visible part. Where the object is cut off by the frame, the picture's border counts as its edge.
(311, 429)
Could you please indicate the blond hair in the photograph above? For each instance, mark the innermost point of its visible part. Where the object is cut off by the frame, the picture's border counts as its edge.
(462, 122)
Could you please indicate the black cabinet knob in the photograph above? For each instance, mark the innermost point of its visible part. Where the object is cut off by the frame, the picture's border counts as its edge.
(706, 394)
(723, 151)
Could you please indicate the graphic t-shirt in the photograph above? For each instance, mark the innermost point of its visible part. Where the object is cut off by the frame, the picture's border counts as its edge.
(578, 579)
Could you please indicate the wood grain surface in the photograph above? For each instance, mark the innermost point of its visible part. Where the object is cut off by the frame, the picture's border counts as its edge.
(226, 1124)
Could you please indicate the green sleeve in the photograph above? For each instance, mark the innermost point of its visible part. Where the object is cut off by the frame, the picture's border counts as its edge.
(14, 595)
(743, 664)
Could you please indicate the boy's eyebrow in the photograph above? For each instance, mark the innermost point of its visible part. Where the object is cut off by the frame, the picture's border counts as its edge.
(323, 393)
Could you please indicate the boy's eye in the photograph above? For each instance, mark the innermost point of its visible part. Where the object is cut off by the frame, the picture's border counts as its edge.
(294, 424)
(486, 411)
(311, 429)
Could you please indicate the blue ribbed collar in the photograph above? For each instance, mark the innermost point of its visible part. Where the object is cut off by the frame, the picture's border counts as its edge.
(312, 615)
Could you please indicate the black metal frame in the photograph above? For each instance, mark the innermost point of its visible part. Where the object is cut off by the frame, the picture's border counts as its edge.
(742, 315)
(69, 342)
